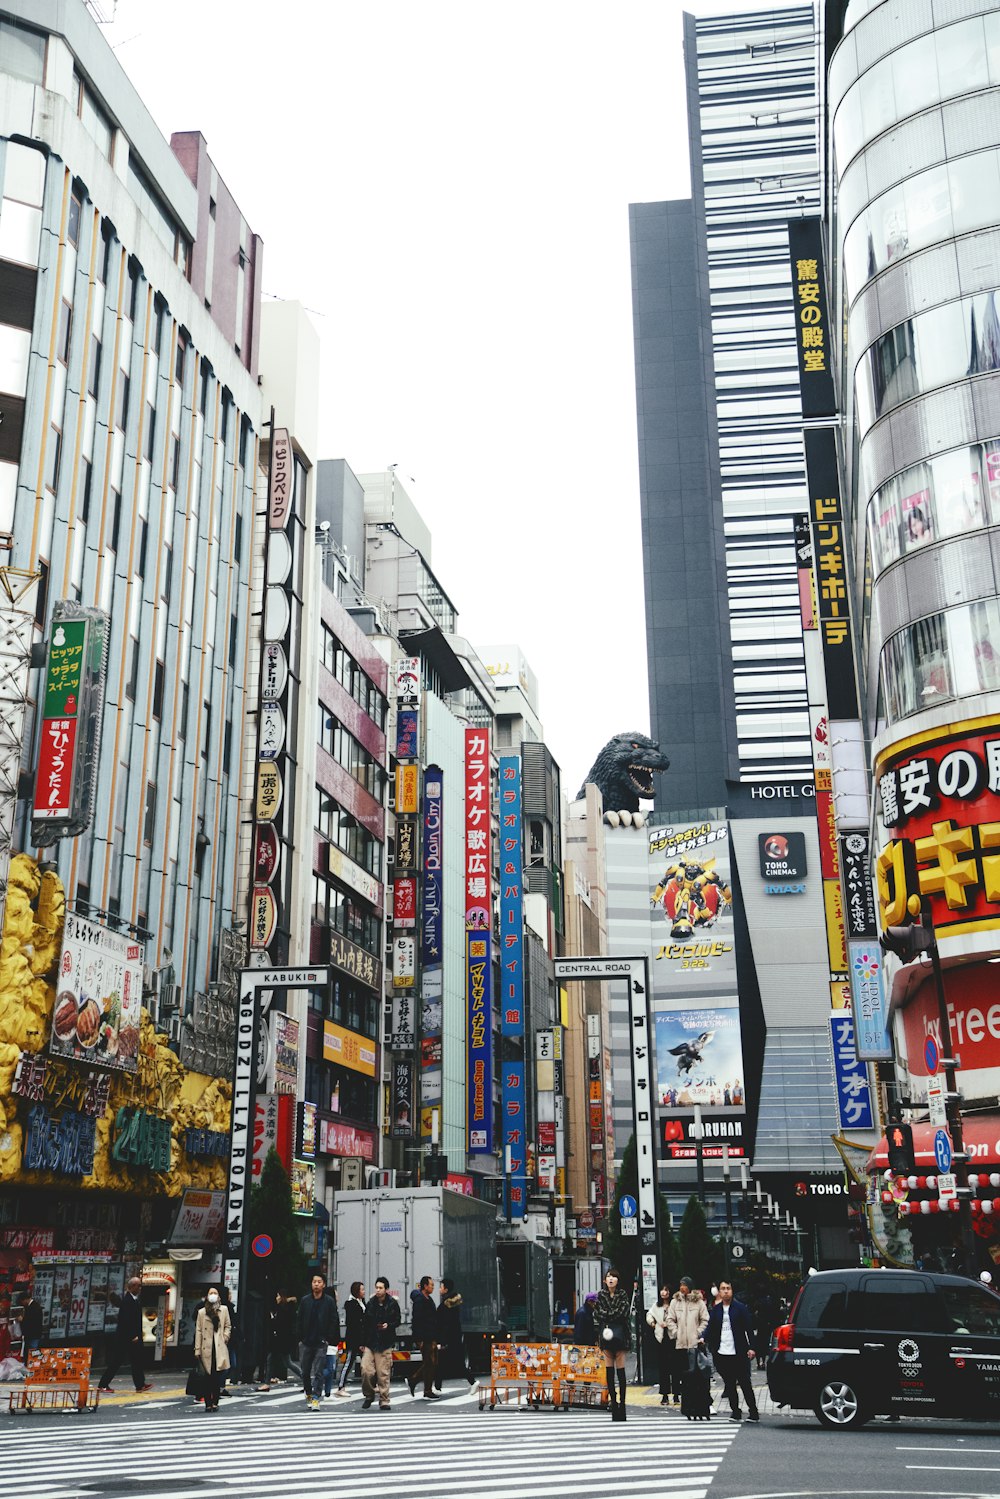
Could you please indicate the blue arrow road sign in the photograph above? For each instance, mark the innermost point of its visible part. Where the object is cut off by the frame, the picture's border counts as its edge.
(627, 1206)
(942, 1150)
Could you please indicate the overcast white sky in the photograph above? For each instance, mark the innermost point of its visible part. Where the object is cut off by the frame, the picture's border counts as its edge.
(445, 185)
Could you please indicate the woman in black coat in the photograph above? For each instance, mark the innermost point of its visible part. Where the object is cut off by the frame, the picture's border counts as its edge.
(354, 1311)
(612, 1318)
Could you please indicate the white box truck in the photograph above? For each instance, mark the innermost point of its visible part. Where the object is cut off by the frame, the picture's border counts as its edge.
(404, 1233)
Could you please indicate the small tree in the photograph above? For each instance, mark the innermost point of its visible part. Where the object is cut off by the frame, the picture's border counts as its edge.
(623, 1250)
(701, 1255)
(671, 1268)
(270, 1213)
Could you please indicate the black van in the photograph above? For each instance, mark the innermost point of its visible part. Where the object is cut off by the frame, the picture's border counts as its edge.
(862, 1343)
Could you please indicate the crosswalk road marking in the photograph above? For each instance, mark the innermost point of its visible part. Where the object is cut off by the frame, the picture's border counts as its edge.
(253, 1453)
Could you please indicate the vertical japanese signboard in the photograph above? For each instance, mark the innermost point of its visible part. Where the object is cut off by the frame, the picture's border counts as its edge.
(829, 561)
(478, 928)
(431, 952)
(805, 245)
(70, 729)
(512, 982)
(854, 1099)
(277, 693)
(864, 955)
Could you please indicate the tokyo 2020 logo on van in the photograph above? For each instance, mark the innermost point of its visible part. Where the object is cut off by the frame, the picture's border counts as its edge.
(908, 1351)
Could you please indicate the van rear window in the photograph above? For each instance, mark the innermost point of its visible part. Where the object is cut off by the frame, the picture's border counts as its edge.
(822, 1304)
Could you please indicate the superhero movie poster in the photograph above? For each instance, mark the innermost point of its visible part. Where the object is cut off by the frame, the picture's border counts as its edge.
(699, 1058)
(691, 907)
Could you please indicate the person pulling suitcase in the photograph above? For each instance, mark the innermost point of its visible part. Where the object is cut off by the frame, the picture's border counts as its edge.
(687, 1318)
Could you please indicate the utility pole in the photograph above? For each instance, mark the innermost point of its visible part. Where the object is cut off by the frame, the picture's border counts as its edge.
(908, 942)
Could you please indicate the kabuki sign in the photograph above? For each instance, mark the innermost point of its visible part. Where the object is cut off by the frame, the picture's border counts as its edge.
(70, 731)
(941, 794)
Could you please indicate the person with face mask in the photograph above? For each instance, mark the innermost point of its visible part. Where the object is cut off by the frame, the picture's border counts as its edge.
(212, 1332)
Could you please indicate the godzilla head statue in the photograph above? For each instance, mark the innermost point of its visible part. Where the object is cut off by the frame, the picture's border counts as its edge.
(622, 773)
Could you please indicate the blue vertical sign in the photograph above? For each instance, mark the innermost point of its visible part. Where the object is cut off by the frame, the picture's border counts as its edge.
(515, 1138)
(511, 899)
(512, 1089)
(479, 1042)
(854, 1099)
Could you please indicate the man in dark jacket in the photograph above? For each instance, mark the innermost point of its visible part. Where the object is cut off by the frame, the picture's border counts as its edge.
(729, 1335)
(379, 1321)
(30, 1318)
(451, 1343)
(423, 1327)
(584, 1330)
(127, 1342)
(319, 1324)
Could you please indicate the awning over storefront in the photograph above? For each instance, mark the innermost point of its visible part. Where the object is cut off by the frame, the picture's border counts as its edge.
(980, 1134)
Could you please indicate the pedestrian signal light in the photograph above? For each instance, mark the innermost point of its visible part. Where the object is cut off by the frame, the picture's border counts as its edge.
(899, 1140)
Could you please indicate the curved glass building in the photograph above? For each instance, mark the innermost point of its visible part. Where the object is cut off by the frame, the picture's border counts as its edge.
(914, 108)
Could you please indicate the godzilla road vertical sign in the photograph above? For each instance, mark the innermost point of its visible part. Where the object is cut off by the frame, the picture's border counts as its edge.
(636, 973)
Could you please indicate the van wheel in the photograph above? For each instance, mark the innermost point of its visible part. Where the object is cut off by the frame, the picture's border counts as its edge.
(840, 1407)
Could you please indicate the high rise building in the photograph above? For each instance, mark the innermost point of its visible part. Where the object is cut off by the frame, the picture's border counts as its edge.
(914, 234)
(722, 480)
(129, 323)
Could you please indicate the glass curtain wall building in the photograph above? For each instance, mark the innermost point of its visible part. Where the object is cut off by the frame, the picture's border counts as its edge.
(915, 249)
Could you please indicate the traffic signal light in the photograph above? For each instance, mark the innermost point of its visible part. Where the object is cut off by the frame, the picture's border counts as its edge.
(899, 1139)
(907, 941)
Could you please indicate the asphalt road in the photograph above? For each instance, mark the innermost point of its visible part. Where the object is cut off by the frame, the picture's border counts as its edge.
(795, 1458)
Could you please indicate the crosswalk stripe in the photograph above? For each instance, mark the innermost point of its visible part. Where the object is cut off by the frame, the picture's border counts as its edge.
(443, 1456)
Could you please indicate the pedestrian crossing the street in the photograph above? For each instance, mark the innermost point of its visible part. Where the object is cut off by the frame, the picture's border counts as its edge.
(263, 1451)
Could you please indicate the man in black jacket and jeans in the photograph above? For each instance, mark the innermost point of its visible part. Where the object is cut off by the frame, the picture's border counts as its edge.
(423, 1327)
(729, 1335)
(319, 1324)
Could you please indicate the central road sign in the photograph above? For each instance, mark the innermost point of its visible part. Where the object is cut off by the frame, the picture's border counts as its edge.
(627, 1206)
(931, 1055)
(942, 1150)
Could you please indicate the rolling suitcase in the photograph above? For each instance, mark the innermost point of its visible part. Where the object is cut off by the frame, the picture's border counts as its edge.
(696, 1395)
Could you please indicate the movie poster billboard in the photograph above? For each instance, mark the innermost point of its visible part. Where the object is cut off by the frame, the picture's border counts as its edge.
(689, 905)
(699, 1058)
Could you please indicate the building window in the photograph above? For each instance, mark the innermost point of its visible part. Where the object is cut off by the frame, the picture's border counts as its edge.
(42, 595)
(158, 690)
(23, 52)
(149, 815)
(88, 480)
(121, 401)
(53, 452)
(73, 222)
(116, 518)
(133, 668)
(65, 328)
(94, 119)
(94, 368)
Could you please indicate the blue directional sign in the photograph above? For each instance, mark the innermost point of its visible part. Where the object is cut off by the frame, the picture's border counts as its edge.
(942, 1150)
(628, 1207)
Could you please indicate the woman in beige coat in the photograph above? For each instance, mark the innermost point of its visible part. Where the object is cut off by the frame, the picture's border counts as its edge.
(687, 1318)
(212, 1332)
